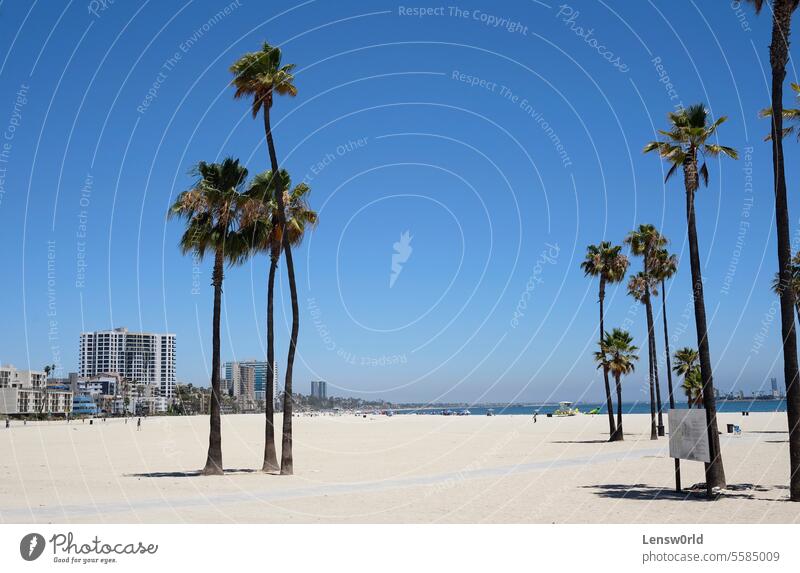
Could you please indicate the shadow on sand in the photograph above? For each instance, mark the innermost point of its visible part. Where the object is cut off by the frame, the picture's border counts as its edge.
(581, 441)
(194, 473)
(696, 492)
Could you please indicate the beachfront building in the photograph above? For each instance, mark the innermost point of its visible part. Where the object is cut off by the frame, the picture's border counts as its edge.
(144, 357)
(319, 389)
(137, 400)
(83, 405)
(70, 381)
(25, 392)
(261, 374)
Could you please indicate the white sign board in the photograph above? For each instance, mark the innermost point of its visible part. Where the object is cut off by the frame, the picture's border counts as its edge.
(688, 435)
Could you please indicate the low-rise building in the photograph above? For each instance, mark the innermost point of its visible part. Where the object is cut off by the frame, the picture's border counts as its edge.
(26, 392)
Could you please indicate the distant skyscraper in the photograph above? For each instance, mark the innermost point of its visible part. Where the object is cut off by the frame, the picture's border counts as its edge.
(775, 391)
(260, 368)
(240, 381)
(140, 356)
(319, 389)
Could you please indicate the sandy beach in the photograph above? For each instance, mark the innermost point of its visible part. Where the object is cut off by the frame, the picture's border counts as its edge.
(407, 469)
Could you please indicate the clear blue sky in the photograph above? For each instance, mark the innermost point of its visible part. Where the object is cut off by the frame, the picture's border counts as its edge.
(392, 136)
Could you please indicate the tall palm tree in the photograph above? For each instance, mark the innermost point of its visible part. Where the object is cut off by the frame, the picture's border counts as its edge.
(607, 262)
(640, 287)
(687, 364)
(687, 143)
(260, 75)
(264, 233)
(617, 354)
(795, 283)
(782, 11)
(645, 241)
(212, 209)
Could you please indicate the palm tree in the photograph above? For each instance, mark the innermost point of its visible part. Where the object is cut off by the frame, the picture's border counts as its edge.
(212, 208)
(47, 370)
(617, 354)
(782, 11)
(645, 242)
(607, 262)
(640, 287)
(264, 233)
(260, 75)
(795, 283)
(687, 364)
(687, 142)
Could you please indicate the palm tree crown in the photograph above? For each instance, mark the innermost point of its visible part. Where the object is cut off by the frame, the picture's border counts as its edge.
(618, 352)
(605, 260)
(687, 364)
(212, 208)
(644, 241)
(663, 265)
(260, 226)
(686, 360)
(640, 284)
(260, 74)
(688, 136)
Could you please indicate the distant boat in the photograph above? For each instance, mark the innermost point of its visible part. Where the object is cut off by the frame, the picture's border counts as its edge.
(566, 409)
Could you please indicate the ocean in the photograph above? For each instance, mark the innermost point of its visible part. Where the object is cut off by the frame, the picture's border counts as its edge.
(627, 408)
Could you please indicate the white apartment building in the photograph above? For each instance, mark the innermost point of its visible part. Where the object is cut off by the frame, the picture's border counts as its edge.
(137, 356)
(26, 392)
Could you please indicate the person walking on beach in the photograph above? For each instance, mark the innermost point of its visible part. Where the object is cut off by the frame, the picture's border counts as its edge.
(534, 417)
(138, 424)
(8, 423)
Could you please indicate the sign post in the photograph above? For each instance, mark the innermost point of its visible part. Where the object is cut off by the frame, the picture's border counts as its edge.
(688, 438)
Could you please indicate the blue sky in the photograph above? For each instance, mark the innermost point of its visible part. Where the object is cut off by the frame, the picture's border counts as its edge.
(503, 137)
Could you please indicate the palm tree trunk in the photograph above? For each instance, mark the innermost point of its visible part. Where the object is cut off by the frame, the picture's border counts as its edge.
(666, 343)
(214, 459)
(715, 473)
(619, 408)
(779, 49)
(270, 456)
(652, 334)
(287, 466)
(651, 357)
(612, 430)
(287, 461)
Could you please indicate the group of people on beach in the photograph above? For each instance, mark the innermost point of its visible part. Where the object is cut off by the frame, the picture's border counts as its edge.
(91, 421)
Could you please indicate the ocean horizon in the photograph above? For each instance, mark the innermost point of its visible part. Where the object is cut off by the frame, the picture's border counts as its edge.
(724, 406)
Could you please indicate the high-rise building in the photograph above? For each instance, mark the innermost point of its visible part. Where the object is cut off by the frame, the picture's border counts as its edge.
(776, 393)
(137, 356)
(319, 389)
(261, 374)
(240, 380)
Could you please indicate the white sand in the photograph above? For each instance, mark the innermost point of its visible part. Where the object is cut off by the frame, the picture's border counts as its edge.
(400, 469)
